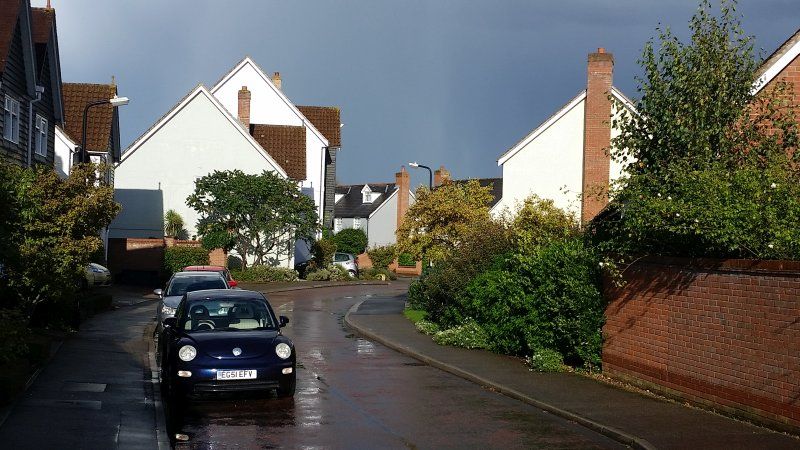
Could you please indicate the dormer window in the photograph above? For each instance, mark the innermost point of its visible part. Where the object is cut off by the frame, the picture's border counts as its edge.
(367, 196)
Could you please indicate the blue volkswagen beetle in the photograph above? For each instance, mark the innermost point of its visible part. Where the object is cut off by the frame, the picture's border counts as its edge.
(224, 340)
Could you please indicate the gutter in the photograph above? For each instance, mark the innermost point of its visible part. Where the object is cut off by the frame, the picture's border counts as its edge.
(39, 91)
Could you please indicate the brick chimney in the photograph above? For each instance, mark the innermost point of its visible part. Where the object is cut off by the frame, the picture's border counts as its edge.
(597, 134)
(276, 80)
(244, 106)
(403, 183)
(440, 175)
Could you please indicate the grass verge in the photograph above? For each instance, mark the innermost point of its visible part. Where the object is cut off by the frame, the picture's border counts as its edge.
(414, 315)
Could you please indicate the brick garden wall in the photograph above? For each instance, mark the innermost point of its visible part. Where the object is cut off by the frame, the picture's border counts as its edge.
(721, 333)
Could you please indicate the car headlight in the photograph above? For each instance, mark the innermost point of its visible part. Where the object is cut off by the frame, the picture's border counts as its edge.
(283, 350)
(167, 310)
(96, 269)
(187, 353)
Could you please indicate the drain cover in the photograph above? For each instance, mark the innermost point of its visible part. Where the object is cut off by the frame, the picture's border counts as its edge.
(77, 386)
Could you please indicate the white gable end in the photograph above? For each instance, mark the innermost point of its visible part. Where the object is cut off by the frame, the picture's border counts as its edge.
(196, 138)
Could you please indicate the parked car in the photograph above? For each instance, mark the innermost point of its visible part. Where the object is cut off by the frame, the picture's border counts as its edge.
(348, 261)
(223, 270)
(179, 284)
(225, 341)
(96, 275)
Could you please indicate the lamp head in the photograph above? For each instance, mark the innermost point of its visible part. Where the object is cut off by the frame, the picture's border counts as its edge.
(119, 101)
(413, 164)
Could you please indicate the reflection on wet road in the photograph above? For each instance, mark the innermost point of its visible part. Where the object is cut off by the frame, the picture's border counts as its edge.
(352, 393)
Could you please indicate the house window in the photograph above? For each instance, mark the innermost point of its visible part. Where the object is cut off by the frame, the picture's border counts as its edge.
(357, 223)
(337, 224)
(41, 136)
(11, 120)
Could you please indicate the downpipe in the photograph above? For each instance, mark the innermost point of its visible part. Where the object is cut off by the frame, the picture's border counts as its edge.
(39, 90)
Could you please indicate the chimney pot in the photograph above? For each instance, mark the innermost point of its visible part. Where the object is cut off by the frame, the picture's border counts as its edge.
(276, 80)
(601, 50)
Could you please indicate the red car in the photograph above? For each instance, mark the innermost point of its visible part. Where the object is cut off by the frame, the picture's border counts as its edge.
(225, 272)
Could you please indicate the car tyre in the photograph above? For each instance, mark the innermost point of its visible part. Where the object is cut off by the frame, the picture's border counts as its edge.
(287, 388)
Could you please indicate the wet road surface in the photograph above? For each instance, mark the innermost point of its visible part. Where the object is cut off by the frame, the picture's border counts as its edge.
(352, 393)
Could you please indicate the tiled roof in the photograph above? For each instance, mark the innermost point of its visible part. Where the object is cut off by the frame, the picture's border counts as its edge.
(99, 120)
(42, 23)
(325, 119)
(286, 144)
(9, 12)
(42, 20)
(496, 191)
(352, 205)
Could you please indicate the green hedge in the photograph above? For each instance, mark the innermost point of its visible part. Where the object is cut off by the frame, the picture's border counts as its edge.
(331, 273)
(406, 260)
(376, 274)
(382, 256)
(176, 258)
(351, 240)
(264, 274)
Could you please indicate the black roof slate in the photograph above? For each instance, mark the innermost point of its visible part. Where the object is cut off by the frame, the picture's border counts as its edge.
(351, 205)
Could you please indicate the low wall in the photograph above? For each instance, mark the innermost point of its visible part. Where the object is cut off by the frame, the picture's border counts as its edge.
(137, 260)
(723, 333)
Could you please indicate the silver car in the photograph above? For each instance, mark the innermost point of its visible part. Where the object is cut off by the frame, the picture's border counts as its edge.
(347, 261)
(179, 284)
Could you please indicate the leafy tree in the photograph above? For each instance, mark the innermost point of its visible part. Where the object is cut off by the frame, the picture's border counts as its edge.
(351, 240)
(174, 224)
(264, 214)
(436, 224)
(539, 221)
(55, 231)
(323, 251)
(713, 171)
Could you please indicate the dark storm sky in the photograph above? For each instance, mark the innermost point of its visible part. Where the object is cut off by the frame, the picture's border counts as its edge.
(453, 82)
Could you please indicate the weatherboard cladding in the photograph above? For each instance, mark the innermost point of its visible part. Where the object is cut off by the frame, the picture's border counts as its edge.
(330, 188)
(99, 120)
(286, 144)
(14, 82)
(352, 205)
(325, 119)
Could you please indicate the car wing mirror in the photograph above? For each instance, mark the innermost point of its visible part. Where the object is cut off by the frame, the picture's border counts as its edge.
(283, 320)
(158, 292)
(171, 322)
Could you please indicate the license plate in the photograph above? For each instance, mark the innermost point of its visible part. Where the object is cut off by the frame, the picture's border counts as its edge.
(236, 374)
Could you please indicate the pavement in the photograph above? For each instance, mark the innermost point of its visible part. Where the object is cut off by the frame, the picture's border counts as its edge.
(631, 418)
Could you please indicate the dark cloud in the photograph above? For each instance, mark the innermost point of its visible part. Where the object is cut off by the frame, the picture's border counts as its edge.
(453, 82)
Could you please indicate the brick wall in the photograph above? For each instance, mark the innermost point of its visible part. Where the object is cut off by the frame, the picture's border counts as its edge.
(721, 333)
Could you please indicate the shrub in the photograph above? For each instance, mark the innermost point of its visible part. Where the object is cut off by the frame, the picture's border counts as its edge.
(319, 275)
(176, 258)
(545, 360)
(376, 274)
(426, 327)
(468, 335)
(550, 299)
(323, 251)
(264, 274)
(234, 262)
(351, 240)
(14, 335)
(382, 256)
(174, 224)
(539, 221)
(406, 260)
(440, 289)
(332, 272)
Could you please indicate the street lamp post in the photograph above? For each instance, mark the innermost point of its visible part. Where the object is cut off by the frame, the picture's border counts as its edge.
(115, 102)
(430, 172)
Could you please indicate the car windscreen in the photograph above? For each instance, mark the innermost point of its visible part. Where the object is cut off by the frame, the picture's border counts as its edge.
(182, 285)
(227, 315)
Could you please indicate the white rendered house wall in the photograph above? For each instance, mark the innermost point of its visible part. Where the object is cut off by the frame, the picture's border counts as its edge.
(269, 106)
(196, 141)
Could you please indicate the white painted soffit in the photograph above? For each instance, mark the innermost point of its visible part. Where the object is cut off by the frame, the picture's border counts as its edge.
(770, 72)
(247, 61)
(200, 90)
